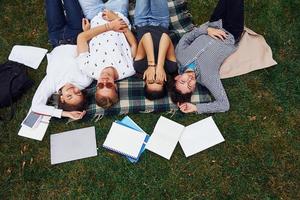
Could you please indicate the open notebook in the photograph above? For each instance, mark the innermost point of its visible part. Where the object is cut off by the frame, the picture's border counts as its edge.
(193, 138)
(124, 140)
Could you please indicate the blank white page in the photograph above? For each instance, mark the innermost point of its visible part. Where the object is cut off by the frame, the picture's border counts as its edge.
(124, 140)
(164, 137)
(200, 136)
(73, 145)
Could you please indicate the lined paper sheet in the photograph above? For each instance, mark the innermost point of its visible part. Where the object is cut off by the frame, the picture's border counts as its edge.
(200, 136)
(164, 137)
(124, 140)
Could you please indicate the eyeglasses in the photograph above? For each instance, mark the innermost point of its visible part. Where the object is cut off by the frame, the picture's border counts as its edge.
(108, 85)
(154, 81)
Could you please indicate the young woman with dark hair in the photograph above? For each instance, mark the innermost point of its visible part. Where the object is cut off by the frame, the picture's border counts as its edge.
(155, 58)
(63, 74)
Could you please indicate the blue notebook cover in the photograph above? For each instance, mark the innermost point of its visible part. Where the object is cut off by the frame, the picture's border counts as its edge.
(128, 122)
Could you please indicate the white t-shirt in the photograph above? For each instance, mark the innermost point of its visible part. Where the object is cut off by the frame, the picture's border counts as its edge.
(62, 68)
(108, 49)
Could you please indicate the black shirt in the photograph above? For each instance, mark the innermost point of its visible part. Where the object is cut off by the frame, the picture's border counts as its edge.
(156, 33)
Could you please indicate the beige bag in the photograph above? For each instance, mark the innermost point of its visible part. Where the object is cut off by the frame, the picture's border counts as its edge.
(252, 54)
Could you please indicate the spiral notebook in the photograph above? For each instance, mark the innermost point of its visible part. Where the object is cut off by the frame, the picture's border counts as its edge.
(127, 121)
(124, 140)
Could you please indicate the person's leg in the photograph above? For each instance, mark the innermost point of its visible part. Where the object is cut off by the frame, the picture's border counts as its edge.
(55, 20)
(141, 12)
(159, 13)
(91, 8)
(74, 17)
(120, 6)
(73, 14)
(233, 20)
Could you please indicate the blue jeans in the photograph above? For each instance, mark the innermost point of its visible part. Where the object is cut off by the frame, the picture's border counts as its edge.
(63, 28)
(151, 13)
(91, 8)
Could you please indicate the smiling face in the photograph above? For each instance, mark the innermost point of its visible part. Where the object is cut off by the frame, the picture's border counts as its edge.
(186, 82)
(70, 94)
(107, 92)
(106, 84)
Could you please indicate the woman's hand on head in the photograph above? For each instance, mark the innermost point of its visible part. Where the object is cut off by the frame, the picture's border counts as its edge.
(85, 24)
(75, 115)
(187, 107)
(161, 75)
(109, 15)
(149, 74)
(118, 25)
(216, 33)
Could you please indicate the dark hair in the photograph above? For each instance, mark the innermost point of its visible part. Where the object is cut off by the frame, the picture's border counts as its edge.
(178, 97)
(106, 102)
(153, 94)
(69, 107)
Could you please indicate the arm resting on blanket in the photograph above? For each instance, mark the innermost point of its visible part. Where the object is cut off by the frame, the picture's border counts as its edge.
(221, 103)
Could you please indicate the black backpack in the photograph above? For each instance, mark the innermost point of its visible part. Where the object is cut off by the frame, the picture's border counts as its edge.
(13, 83)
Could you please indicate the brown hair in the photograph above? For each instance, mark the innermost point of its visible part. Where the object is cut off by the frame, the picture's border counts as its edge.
(105, 101)
(69, 107)
(178, 97)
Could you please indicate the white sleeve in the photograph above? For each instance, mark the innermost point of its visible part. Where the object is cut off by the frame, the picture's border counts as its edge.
(40, 98)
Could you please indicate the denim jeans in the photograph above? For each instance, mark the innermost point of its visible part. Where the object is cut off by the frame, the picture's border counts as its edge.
(64, 21)
(91, 8)
(152, 13)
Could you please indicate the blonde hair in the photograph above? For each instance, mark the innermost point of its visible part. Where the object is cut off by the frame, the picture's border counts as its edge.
(106, 101)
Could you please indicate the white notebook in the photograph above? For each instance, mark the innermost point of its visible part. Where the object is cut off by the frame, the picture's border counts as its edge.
(73, 145)
(165, 137)
(124, 140)
(200, 136)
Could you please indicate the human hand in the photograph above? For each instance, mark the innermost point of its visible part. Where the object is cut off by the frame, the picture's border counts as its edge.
(149, 74)
(161, 75)
(109, 15)
(216, 33)
(187, 107)
(75, 115)
(85, 24)
(118, 25)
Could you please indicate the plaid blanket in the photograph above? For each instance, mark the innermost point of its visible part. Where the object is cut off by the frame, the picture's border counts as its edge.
(132, 100)
(131, 90)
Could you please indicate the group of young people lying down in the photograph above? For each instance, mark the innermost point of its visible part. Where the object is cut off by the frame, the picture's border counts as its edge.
(101, 47)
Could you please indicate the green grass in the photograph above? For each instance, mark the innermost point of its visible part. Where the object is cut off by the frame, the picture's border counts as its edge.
(259, 160)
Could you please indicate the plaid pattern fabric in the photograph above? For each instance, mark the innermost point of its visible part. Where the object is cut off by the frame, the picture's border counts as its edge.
(132, 100)
(131, 90)
(180, 18)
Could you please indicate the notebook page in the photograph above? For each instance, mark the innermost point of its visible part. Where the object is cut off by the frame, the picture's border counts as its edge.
(124, 140)
(73, 145)
(164, 137)
(200, 136)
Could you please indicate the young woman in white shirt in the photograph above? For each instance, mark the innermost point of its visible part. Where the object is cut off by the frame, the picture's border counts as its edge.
(63, 75)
